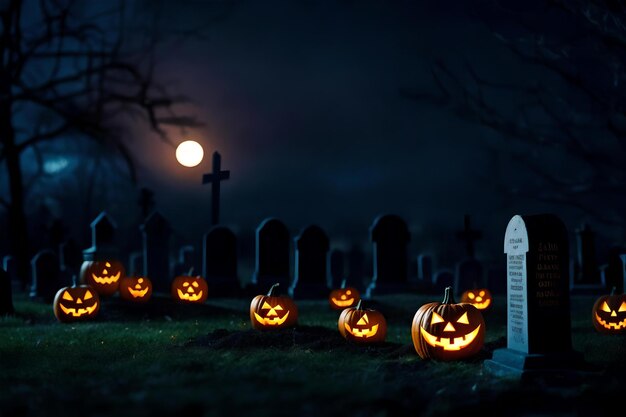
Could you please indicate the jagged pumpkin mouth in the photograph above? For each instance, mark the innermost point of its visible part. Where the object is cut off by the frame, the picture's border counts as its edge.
(364, 333)
(608, 325)
(343, 303)
(138, 293)
(106, 280)
(77, 312)
(449, 343)
(189, 297)
(274, 321)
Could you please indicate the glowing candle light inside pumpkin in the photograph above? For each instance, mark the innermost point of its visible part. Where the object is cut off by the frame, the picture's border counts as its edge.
(189, 153)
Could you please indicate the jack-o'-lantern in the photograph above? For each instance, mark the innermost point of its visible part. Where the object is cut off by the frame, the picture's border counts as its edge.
(103, 276)
(273, 311)
(448, 331)
(480, 298)
(343, 297)
(76, 303)
(608, 314)
(190, 289)
(137, 289)
(362, 325)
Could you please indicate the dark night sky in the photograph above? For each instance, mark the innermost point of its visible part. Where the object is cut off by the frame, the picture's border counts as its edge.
(302, 99)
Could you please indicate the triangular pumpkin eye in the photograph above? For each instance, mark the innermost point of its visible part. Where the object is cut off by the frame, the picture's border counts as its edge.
(266, 306)
(195, 284)
(463, 319)
(436, 318)
(67, 296)
(363, 320)
(622, 307)
(88, 295)
(278, 307)
(605, 307)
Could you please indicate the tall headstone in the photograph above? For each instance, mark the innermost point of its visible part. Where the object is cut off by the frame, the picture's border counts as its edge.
(46, 276)
(539, 339)
(311, 276)
(337, 267)
(6, 294)
(103, 244)
(272, 255)
(587, 277)
(219, 264)
(390, 237)
(156, 252)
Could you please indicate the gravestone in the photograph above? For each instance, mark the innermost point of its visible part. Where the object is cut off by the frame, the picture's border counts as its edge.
(337, 267)
(272, 255)
(215, 178)
(390, 237)
(311, 276)
(46, 276)
(156, 233)
(496, 280)
(219, 264)
(135, 263)
(186, 260)
(103, 245)
(468, 274)
(587, 278)
(356, 267)
(539, 340)
(6, 294)
(612, 271)
(443, 279)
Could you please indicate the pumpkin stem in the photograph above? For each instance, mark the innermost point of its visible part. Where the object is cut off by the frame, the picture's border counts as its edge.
(271, 291)
(448, 297)
(358, 306)
(190, 271)
(343, 283)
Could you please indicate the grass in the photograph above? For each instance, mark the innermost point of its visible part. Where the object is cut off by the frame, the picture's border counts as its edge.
(165, 359)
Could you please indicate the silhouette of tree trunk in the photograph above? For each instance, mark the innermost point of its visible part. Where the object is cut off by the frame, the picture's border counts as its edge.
(564, 113)
(72, 69)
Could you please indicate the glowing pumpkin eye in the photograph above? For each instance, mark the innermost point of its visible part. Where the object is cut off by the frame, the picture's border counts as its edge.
(471, 295)
(348, 292)
(266, 306)
(278, 307)
(436, 319)
(186, 284)
(67, 296)
(195, 284)
(140, 280)
(605, 307)
(482, 293)
(463, 319)
(108, 265)
(363, 320)
(622, 307)
(88, 295)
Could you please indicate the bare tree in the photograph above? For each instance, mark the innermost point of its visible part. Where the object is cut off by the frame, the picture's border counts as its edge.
(73, 69)
(563, 113)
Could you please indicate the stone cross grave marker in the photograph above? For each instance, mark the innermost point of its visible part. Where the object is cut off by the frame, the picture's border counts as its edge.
(539, 339)
(390, 237)
(219, 264)
(156, 233)
(311, 269)
(46, 276)
(215, 178)
(272, 259)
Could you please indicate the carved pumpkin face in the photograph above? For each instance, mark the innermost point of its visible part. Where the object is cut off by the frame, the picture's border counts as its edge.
(188, 289)
(76, 303)
(138, 289)
(479, 298)
(448, 331)
(103, 276)
(343, 297)
(363, 326)
(272, 311)
(609, 314)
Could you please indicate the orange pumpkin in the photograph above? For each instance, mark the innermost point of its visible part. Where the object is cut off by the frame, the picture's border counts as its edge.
(137, 289)
(362, 325)
(103, 276)
(343, 297)
(190, 289)
(608, 314)
(76, 303)
(448, 331)
(273, 311)
(480, 298)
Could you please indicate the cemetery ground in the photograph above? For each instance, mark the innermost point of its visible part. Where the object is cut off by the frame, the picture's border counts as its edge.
(170, 359)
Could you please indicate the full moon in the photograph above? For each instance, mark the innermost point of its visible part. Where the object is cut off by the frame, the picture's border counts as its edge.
(189, 153)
